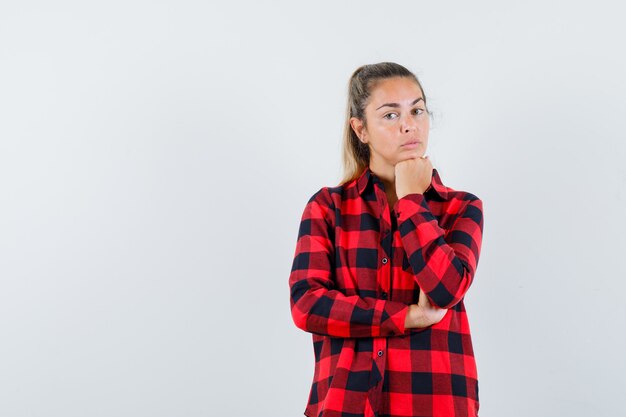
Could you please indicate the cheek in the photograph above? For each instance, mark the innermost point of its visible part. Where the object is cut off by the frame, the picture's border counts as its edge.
(387, 133)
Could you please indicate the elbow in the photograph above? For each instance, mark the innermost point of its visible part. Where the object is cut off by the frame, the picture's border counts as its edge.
(299, 317)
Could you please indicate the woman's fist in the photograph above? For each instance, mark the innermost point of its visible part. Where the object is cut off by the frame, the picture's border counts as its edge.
(413, 176)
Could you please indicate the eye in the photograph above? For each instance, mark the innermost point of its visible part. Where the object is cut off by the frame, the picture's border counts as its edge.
(419, 111)
(389, 114)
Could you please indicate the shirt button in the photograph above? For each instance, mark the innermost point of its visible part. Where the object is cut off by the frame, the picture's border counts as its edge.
(380, 353)
(384, 260)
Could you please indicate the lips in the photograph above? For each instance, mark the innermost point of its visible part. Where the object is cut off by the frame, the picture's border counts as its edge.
(411, 142)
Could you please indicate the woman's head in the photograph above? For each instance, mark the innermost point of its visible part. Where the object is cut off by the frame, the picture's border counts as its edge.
(386, 108)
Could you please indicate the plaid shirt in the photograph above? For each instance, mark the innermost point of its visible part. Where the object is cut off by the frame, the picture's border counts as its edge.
(358, 264)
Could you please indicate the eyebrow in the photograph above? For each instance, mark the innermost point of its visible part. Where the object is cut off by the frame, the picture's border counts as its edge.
(397, 105)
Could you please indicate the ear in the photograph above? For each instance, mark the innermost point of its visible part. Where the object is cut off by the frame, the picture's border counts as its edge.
(359, 129)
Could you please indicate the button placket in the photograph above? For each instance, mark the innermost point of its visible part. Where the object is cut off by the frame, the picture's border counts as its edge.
(386, 244)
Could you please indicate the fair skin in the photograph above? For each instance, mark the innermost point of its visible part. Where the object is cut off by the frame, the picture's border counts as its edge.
(397, 136)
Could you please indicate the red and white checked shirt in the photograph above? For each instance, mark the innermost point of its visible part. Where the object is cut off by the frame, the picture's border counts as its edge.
(358, 264)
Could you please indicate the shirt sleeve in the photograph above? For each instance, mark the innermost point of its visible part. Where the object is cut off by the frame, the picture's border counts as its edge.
(317, 305)
(444, 261)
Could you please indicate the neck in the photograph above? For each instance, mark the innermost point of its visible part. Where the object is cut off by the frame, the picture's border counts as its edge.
(386, 173)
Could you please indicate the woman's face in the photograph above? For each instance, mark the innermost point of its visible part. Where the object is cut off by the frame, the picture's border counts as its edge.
(397, 122)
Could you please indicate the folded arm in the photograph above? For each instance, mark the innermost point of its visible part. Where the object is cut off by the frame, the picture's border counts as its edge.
(317, 306)
(444, 261)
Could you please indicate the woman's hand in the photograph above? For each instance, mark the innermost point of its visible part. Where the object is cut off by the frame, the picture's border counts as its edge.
(423, 314)
(413, 176)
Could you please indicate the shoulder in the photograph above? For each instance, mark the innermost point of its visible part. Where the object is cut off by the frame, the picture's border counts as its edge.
(463, 203)
(458, 195)
(321, 197)
(327, 201)
(328, 196)
(453, 195)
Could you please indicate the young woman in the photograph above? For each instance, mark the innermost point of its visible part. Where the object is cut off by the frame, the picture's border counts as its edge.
(382, 264)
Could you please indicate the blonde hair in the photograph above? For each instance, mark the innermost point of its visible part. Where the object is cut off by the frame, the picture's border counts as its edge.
(356, 154)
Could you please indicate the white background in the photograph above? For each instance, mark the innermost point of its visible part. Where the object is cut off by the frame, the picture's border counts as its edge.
(156, 156)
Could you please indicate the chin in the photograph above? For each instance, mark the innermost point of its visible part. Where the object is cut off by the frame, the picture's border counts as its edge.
(416, 153)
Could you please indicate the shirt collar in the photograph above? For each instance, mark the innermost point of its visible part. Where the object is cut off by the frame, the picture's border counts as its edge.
(368, 176)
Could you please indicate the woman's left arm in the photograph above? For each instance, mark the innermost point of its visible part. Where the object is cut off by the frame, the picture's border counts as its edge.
(443, 261)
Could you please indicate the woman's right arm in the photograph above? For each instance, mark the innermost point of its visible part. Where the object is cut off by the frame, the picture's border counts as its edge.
(316, 305)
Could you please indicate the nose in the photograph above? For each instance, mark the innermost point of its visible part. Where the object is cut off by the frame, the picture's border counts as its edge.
(408, 124)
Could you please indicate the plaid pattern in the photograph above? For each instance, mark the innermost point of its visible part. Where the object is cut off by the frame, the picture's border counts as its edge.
(358, 263)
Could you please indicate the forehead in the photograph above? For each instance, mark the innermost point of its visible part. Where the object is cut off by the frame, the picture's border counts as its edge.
(401, 90)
